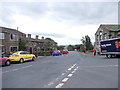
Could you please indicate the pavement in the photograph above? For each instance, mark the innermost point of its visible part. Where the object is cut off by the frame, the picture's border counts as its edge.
(73, 70)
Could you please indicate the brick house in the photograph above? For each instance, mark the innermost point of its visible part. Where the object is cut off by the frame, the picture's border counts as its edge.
(104, 32)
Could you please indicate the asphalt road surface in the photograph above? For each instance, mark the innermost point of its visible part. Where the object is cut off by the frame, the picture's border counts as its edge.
(73, 70)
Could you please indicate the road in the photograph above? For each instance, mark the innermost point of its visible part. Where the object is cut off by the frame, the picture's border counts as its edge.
(73, 70)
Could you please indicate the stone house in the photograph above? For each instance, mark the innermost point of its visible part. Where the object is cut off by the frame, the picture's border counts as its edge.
(10, 38)
(34, 44)
(104, 32)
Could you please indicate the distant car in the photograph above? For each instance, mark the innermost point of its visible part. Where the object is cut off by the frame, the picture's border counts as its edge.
(56, 53)
(64, 52)
(21, 56)
(5, 61)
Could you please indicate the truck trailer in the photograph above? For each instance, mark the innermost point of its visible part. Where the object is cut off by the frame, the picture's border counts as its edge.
(110, 48)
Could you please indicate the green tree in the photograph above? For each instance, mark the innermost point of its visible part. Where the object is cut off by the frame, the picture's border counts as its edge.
(87, 43)
(60, 47)
(77, 47)
(49, 44)
(22, 45)
(70, 48)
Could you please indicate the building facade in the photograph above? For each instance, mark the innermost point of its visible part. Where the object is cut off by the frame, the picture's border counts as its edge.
(105, 32)
(10, 41)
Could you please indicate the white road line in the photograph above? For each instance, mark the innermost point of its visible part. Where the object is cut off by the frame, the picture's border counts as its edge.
(59, 85)
(17, 69)
(73, 71)
(70, 75)
(65, 80)
(71, 67)
(75, 65)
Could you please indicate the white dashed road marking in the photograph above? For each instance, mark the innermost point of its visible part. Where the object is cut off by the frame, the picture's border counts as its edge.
(65, 80)
(69, 69)
(59, 85)
(70, 75)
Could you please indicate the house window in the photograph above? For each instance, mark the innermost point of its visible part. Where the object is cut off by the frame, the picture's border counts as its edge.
(97, 38)
(13, 49)
(105, 36)
(100, 35)
(2, 36)
(13, 37)
(110, 36)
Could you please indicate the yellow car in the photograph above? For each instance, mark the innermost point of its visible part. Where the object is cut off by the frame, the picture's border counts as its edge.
(22, 56)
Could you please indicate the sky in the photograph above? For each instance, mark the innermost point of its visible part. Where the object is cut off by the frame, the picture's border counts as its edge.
(65, 21)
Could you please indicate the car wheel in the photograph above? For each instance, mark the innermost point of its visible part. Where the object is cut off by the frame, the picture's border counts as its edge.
(7, 63)
(21, 60)
(109, 56)
(33, 59)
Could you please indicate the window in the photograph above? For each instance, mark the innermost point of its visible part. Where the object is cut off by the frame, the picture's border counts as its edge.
(105, 36)
(97, 38)
(24, 53)
(2, 36)
(100, 35)
(13, 49)
(13, 37)
(110, 36)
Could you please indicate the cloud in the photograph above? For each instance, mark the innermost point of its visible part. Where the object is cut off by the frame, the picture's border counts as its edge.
(85, 12)
(33, 10)
(49, 34)
(77, 13)
(66, 22)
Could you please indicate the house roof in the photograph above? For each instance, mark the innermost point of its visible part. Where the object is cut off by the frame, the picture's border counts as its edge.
(109, 27)
(34, 40)
(12, 29)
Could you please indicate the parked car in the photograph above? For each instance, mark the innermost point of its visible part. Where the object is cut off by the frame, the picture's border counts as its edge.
(5, 61)
(21, 56)
(64, 52)
(56, 53)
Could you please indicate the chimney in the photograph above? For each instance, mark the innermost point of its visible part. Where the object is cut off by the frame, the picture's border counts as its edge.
(37, 37)
(42, 37)
(29, 35)
(17, 28)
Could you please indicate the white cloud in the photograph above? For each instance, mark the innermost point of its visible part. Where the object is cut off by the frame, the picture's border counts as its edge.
(66, 22)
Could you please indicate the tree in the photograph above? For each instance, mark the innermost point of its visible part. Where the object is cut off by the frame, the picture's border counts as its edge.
(22, 45)
(77, 47)
(70, 48)
(60, 47)
(49, 44)
(87, 43)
